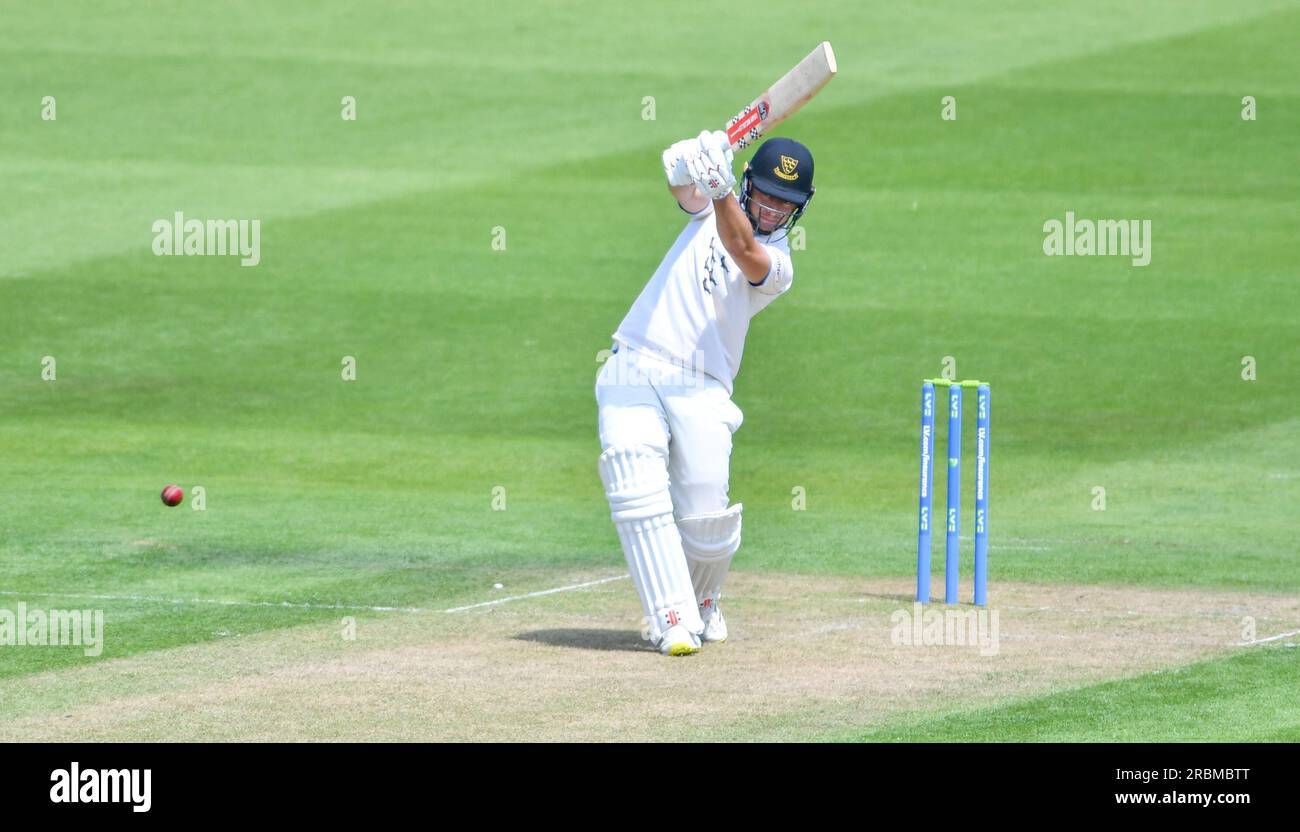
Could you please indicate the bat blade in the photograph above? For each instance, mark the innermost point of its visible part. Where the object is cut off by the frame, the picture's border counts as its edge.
(784, 98)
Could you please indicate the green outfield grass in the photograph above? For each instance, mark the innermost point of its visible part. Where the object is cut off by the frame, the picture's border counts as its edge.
(475, 367)
(1245, 698)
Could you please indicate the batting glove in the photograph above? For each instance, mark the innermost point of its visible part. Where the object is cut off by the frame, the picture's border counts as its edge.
(716, 140)
(675, 162)
(711, 171)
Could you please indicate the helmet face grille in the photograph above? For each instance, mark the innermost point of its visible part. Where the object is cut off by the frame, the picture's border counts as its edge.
(748, 185)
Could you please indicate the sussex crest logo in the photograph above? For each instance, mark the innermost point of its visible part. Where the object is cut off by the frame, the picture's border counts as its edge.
(787, 170)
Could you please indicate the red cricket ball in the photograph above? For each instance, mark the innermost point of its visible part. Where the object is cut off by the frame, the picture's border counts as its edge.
(172, 495)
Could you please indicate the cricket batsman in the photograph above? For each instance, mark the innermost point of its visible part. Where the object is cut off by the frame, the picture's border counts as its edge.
(665, 412)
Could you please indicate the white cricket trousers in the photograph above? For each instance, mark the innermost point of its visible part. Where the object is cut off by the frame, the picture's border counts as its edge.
(686, 418)
(665, 438)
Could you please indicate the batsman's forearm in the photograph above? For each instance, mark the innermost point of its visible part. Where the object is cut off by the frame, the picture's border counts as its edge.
(733, 229)
(689, 197)
(737, 238)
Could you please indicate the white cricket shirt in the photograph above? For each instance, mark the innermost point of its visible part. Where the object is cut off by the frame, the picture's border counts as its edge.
(696, 308)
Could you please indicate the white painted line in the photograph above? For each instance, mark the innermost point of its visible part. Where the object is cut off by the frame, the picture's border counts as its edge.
(157, 599)
(996, 544)
(539, 593)
(1270, 638)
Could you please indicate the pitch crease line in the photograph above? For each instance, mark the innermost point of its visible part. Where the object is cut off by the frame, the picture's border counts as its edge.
(157, 599)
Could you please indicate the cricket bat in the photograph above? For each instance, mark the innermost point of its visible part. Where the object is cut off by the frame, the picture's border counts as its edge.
(784, 98)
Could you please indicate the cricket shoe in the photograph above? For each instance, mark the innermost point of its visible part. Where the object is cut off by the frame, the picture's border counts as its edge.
(715, 626)
(679, 641)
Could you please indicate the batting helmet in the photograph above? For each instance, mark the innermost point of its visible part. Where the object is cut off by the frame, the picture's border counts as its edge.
(782, 168)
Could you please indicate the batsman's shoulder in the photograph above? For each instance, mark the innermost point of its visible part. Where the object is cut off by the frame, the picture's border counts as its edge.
(780, 269)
